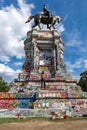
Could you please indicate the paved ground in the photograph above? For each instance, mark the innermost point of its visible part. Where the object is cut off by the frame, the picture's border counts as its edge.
(45, 125)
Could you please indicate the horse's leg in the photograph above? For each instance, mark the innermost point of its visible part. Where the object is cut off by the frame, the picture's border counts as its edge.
(39, 26)
(34, 25)
(48, 26)
(53, 25)
(39, 22)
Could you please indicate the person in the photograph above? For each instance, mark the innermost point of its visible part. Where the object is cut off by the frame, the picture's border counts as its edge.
(21, 88)
(46, 11)
(42, 80)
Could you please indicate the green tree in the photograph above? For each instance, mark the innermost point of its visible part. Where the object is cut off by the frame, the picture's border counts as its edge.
(83, 81)
(4, 87)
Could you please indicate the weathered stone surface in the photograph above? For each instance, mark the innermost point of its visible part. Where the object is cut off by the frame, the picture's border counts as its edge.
(45, 40)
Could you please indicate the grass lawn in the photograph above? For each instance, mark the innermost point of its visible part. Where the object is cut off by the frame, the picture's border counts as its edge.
(10, 120)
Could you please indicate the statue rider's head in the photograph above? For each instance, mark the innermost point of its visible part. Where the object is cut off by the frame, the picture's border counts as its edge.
(44, 6)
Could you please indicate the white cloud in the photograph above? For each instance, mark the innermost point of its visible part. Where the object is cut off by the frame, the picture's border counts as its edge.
(77, 47)
(12, 34)
(76, 65)
(13, 28)
(8, 73)
(18, 63)
(4, 58)
(61, 28)
(76, 76)
(75, 41)
(80, 64)
(85, 63)
(71, 68)
(73, 38)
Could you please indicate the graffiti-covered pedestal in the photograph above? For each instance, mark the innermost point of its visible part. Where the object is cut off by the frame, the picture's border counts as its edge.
(44, 51)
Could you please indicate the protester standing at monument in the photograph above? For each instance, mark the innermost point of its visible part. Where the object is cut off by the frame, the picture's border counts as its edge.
(43, 80)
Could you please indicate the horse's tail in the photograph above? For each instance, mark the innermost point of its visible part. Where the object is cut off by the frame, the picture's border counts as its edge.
(29, 19)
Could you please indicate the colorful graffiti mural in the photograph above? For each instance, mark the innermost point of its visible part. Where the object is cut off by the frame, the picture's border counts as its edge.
(7, 95)
(19, 100)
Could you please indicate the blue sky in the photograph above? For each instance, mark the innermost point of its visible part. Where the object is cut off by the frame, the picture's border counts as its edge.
(73, 29)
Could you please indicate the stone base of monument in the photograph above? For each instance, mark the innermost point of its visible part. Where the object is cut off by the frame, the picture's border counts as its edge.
(44, 52)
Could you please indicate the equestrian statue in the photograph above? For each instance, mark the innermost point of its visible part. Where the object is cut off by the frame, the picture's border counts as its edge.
(44, 18)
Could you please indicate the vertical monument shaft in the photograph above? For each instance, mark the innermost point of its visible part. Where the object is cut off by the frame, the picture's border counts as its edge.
(44, 52)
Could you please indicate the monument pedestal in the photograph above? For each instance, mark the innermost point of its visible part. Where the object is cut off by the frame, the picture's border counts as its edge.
(44, 51)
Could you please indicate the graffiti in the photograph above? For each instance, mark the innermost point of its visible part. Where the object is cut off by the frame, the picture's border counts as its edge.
(45, 68)
(19, 100)
(8, 103)
(7, 95)
(41, 35)
(17, 103)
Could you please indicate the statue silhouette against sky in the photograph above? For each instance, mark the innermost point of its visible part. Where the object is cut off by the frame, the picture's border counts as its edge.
(45, 18)
(46, 11)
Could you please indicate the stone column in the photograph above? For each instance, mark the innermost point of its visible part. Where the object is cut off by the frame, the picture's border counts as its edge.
(57, 58)
(34, 42)
(54, 55)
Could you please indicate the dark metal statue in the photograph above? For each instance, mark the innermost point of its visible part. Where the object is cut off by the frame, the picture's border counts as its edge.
(46, 11)
(44, 18)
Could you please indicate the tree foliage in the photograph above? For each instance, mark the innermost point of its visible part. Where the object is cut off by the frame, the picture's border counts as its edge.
(83, 81)
(4, 87)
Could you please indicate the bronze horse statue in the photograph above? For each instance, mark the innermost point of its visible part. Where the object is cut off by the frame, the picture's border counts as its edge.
(41, 18)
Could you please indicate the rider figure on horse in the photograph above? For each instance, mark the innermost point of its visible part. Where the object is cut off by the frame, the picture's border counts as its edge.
(45, 18)
(46, 11)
